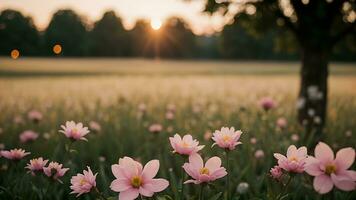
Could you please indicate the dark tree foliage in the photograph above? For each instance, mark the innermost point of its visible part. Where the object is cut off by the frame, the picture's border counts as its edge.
(176, 39)
(108, 37)
(18, 32)
(141, 42)
(67, 29)
(240, 41)
(317, 26)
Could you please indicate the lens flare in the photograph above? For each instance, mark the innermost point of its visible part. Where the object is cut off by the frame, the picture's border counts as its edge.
(156, 24)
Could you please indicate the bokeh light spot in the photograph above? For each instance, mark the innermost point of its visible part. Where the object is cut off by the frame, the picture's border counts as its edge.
(57, 49)
(15, 54)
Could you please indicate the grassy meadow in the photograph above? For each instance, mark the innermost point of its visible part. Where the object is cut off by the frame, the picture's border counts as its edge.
(125, 97)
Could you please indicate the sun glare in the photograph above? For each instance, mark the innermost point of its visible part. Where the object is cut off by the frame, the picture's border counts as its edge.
(156, 24)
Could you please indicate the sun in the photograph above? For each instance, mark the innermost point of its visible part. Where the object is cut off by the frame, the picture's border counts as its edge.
(156, 24)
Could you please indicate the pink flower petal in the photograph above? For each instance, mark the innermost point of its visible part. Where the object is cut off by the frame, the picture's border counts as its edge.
(345, 158)
(324, 153)
(196, 160)
(323, 184)
(343, 182)
(146, 192)
(157, 185)
(213, 163)
(279, 156)
(312, 166)
(117, 171)
(292, 150)
(119, 185)
(129, 194)
(150, 170)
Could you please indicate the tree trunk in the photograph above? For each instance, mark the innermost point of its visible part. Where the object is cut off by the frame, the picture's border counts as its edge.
(312, 102)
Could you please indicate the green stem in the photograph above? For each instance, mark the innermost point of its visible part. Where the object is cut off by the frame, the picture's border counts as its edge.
(228, 176)
(285, 187)
(201, 192)
(182, 182)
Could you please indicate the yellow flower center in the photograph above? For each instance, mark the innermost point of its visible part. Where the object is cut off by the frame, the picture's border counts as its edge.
(329, 169)
(185, 145)
(136, 182)
(204, 170)
(226, 138)
(82, 182)
(293, 158)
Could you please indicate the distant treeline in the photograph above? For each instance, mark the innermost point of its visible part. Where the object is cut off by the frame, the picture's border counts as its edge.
(108, 38)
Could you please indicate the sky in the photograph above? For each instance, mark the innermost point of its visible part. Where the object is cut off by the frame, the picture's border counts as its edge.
(129, 10)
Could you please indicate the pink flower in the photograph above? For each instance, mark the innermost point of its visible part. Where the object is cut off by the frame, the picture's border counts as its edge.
(35, 116)
(253, 140)
(201, 173)
(28, 136)
(259, 154)
(185, 146)
(281, 123)
(295, 160)
(74, 131)
(131, 180)
(55, 170)
(36, 165)
(207, 135)
(330, 171)
(155, 128)
(276, 172)
(227, 138)
(169, 115)
(267, 103)
(14, 154)
(83, 183)
(95, 126)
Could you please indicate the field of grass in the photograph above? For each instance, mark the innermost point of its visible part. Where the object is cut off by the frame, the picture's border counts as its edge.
(207, 95)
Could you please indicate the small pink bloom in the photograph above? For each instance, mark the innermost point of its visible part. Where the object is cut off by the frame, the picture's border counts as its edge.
(276, 172)
(294, 138)
(259, 154)
(55, 170)
(83, 183)
(155, 128)
(186, 145)
(35, 116)
(132, 179)
(74, 131)
(281, 123)
(95, 126)
(208, 135)
(14, 154)
(329, 170)
(169, 115)
(227, 138)
(18, 120)
(28, 136)
(267, 103)
(253, 140)
(295, 160)
(36, 165)
(201, 173)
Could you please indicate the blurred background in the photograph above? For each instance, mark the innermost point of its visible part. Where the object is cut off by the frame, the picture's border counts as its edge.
(155, 29)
